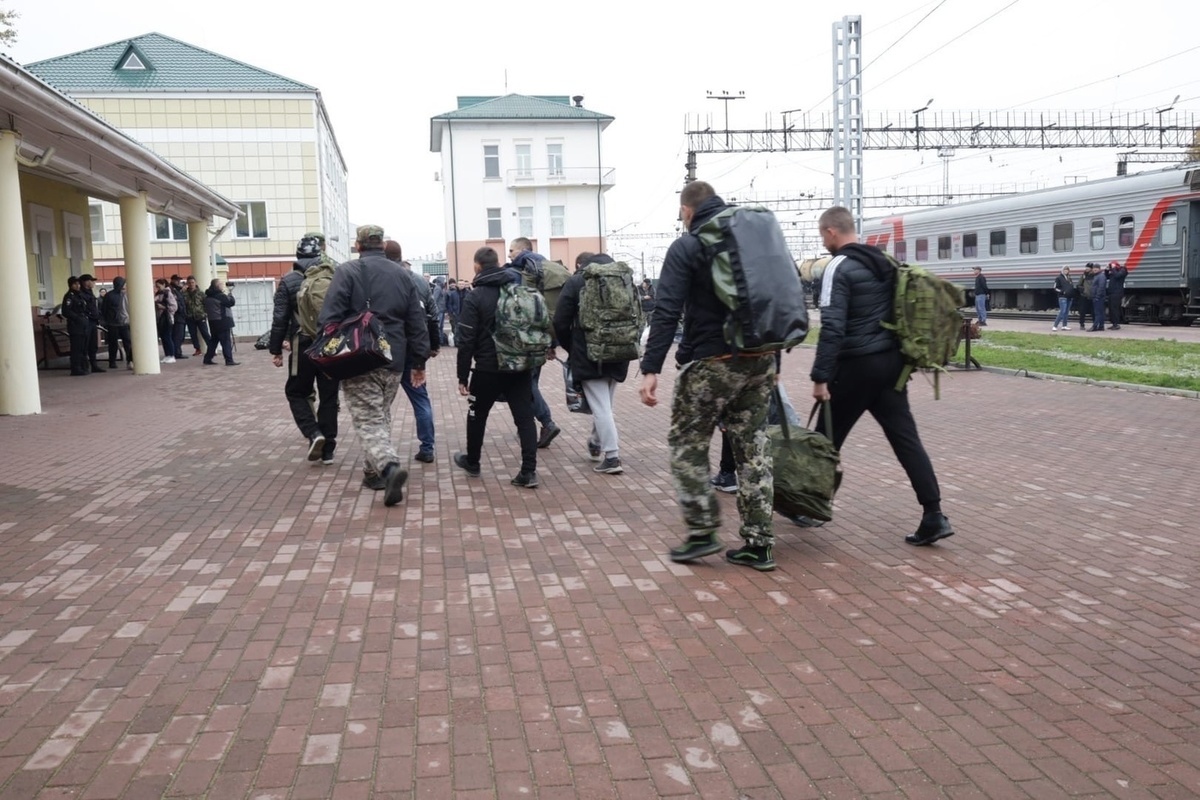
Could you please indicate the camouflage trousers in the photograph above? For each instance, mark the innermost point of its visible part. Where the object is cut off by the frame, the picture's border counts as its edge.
(369, 398)
(734, 392)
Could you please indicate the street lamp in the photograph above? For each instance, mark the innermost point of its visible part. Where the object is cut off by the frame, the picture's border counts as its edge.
(917, 114)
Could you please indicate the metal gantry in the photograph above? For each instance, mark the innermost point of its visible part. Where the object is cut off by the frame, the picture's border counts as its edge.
(848, 115)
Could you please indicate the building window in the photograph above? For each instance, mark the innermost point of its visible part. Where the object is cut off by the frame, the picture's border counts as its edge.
(96, 221)
(554, 160)
(944, 248)
(998, 243)
(1064, 236)
(1029, 240)
(1097, 234)
(558, 224)
(524, 161)
(1169, 232)
(252, 222)
(495, 230)
(922, 249)
(165, 229)
(901, 250)
(1125, 232)
(491, 161)
(970, 245)
(525, 221)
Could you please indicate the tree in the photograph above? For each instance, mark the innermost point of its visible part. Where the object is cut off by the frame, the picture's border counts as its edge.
(8, 33)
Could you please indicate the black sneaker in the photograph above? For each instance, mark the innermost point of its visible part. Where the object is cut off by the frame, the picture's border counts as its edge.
(725, 482)
(548, 434)
(805, 522)
(424, 456)
(374, 481)
(460, 460)
(930, 530)
(528, 480)
(758, 558)
(394, 478)
(327, 452)
(697, 545)
(594, 452)
(609, 466)
(316, 446)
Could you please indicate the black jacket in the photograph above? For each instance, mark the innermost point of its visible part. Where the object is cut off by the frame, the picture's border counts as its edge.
(570, 337)
(478, 320)
(980, 285)
(393, 298)
(857, 293)
(283, 317)
(685, 288)
(217, 305)
(1063, 286)
(425, 292)
(74, 309)
(112, 305)
(1116, 281)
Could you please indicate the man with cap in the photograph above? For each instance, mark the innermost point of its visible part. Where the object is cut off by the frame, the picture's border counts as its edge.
(1116, 293)
(87, 288)
(373, 281)
(320, 428)
(74, 310)
(418, 396)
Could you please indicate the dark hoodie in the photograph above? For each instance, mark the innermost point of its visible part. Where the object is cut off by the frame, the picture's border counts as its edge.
(857, 292)
(478, 321)
(284, 324)
(217, 305)
(116, 305)
(569, 336)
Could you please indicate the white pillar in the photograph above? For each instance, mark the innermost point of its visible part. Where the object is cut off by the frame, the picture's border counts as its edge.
(143, 327)
(201, 253)
(19, 392)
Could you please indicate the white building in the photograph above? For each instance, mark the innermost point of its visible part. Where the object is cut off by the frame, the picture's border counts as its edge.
(521, 166)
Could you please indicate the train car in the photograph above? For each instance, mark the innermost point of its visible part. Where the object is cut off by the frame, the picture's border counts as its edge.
(1150, 222)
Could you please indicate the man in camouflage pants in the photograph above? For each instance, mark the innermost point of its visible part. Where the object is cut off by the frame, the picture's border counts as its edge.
(714, 386)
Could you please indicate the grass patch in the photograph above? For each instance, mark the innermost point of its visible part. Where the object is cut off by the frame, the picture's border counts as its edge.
(1159, 362)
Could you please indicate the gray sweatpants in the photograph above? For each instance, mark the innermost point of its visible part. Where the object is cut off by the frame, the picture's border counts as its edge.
(600, 393)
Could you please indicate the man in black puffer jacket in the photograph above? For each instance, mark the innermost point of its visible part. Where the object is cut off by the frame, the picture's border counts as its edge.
(858, 361)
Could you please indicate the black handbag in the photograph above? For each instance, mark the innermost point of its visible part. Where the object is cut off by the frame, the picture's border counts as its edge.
(806, 473)
(352, 347)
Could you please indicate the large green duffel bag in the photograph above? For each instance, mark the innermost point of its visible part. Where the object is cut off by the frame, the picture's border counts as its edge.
(806, 468)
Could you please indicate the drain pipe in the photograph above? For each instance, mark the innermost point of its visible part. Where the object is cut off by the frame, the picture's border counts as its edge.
(212, 250)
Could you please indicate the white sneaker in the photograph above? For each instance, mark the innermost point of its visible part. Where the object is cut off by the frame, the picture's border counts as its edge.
(168, 360)
(1054, 328)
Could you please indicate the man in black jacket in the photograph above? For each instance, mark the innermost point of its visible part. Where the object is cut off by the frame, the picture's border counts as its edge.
(487, 382)
(87, 287)
(371, 281)
(714, 386)
(1116, 293)
(320, 429)
(74, 310)
(858, 361)
(418, 396)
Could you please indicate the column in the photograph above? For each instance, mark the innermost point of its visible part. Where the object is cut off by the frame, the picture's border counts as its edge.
(201, 253)
(19, 391)
(143, 328)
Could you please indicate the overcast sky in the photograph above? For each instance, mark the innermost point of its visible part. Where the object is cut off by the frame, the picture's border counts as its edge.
(385, 68)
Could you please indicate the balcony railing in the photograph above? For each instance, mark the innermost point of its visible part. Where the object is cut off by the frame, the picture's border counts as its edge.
(566, 176)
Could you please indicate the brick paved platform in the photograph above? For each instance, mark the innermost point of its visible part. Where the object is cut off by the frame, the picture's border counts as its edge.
(190, 609)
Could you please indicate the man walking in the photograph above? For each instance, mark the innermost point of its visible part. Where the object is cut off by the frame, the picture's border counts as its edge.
(714, 386)
(116, 319)
(418, 396)
(522, 258)
(197, 320)
(486, 383)
(981, 294)
(371, 281)
(319, 427)
(858, 361)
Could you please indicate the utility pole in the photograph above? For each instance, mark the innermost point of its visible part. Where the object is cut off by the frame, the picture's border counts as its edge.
(725, 97)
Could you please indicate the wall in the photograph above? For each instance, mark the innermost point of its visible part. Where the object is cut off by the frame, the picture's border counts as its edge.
(58, 199)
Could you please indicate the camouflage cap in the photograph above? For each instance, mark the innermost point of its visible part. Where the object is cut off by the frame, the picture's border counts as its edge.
(370, 233)
(320, 237)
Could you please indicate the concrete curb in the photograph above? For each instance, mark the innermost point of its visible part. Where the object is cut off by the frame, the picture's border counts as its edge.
(1129, 387)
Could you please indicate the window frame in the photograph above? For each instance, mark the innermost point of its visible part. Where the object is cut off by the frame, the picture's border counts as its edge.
(174, 228)
(1067, 241)
(554, 160)
(491, 162)
(1026, 245)
(921, 249)
(998, 241)
(246, 220)
(558, 221)
(970, 250)
(98, 233)
(523, 152)
(1093, 228)
(1125, 230)
(948, 250)
(525, 221)
(1163, 227)
(900, 250)
(495, 223)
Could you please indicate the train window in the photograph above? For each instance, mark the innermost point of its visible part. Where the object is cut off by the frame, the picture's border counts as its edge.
(998, 242)
(970, 245)
(1029, 240)
(943, 248)
(922, 249)
(901, 253)
(1097, 234)
(1169, 232)
(1125, 232)
(1064, 236)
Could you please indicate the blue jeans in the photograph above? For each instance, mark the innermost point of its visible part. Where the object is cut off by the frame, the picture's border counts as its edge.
(422, 409)
(1064, 309)
(981, 308)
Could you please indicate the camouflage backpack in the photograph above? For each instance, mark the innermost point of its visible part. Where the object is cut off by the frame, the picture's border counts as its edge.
(310, 297)
(521, 331)
(548, 278)
(610, 312)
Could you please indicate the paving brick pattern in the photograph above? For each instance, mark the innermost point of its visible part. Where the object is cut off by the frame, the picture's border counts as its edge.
(189, 609)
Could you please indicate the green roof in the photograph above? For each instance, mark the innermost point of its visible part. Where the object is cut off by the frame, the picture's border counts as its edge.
(519, 106)
(157, 63)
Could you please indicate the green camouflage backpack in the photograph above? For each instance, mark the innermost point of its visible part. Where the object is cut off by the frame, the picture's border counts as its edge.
(311, 295)
(547, 279)
(610, 312)
(756, 278)
(927, 321)
(522, 328)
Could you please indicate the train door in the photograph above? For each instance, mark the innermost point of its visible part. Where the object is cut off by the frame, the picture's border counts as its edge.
(1191, 255)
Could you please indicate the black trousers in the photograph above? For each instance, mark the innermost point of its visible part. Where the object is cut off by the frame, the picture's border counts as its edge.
(299, 390)
(1114, 309)
(93, 343)
(868, 384)
(119, 334)
(518, 389)
(221, 335)
(1084, 306)
(79, 348)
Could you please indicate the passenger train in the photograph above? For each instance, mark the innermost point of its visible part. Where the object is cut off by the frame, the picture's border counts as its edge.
(1150, 222)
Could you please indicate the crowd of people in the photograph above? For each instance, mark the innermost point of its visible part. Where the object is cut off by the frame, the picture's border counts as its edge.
(1099, 293)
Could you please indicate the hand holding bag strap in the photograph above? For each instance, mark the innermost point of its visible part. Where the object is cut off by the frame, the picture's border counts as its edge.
(826, 415)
